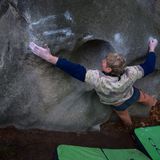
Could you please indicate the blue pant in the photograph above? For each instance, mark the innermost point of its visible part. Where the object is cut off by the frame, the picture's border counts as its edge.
(129, 102)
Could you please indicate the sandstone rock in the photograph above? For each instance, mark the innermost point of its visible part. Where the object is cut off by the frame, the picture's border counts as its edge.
(33, 93)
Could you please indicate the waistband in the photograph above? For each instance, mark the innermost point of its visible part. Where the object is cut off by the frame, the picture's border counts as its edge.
(134, 98)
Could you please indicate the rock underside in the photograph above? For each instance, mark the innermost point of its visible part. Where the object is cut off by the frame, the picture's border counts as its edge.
(35, 94)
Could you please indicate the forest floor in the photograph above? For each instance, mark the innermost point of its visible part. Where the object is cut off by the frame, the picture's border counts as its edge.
(35, 144)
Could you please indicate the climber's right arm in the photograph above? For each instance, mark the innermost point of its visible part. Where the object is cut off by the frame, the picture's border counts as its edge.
(150, 62)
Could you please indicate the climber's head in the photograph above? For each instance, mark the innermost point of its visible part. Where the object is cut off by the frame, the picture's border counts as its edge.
(114, 64)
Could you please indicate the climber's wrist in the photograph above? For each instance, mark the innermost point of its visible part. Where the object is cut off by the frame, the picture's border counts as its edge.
(52, 59)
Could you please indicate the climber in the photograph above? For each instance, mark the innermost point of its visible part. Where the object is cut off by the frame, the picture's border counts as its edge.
(114, 83)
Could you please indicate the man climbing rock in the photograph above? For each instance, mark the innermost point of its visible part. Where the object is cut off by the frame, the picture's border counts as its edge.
(114, 83)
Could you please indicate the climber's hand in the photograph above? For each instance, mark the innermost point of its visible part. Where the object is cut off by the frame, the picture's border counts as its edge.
(152, 44)
(44, 53)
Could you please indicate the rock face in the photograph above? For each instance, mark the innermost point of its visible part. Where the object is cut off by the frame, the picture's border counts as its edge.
(35, 94)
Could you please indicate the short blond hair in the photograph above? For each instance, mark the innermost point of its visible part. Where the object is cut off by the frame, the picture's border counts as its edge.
(116, 62)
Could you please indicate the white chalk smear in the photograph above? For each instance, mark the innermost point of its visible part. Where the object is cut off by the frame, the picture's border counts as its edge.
(27, 17)
(47, 28)
(68, 16)
(66, 31)
(118, 44)
(42, 21)
(88, 37)
(2, 58)
(118, 38)
(150, 38)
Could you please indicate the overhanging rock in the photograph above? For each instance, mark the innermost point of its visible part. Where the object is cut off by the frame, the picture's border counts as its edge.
(33, 93)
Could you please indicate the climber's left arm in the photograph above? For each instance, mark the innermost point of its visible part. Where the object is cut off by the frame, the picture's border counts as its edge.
(75, 70)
